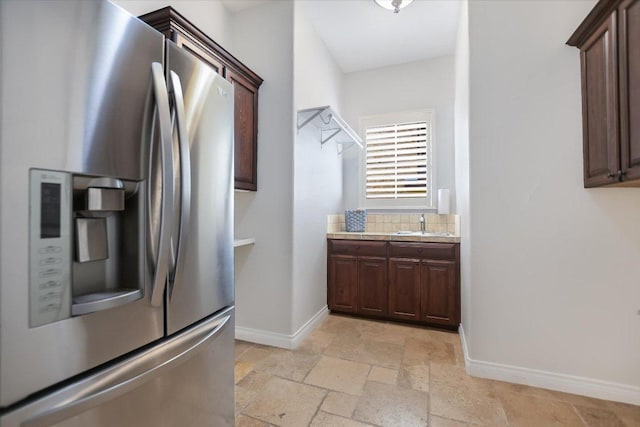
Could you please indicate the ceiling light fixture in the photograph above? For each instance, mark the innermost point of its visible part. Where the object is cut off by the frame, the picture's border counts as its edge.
(394, 5)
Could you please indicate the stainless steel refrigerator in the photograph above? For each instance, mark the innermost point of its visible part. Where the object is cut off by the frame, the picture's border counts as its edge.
(116, 223)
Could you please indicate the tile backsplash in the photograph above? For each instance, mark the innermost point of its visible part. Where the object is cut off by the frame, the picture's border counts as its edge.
(391, 223)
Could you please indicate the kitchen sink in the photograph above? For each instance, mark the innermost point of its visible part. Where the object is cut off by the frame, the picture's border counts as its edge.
(421, 233)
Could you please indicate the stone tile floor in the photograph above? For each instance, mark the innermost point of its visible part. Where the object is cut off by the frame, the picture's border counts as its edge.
(356, 372)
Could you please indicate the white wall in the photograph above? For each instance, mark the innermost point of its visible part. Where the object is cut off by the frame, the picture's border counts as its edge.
(554, 266)
(412, 86)
(209, 16)
(317, 171)
(263, 40)
(318, 79)
(461, 120)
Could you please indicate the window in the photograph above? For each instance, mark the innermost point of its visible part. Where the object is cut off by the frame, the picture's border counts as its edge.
(397, 166)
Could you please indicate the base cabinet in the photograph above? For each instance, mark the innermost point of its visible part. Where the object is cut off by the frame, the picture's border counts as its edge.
(357, 272)
(343, 275)
(372, 286)
(414, 282)
(404, 289)
(438, 292)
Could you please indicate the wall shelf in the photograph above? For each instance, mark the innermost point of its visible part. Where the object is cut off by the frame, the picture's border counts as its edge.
(244, 242)
(331, 125)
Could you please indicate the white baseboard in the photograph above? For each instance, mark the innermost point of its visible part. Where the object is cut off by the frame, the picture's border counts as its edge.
(549, 380)
(304, 331)
(260, 336)
(275, 339)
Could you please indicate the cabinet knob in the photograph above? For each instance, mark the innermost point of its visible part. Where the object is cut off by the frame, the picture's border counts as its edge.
(621, 174)
(611, 175)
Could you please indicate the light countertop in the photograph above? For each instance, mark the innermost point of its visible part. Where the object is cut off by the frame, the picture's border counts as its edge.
(429, 237)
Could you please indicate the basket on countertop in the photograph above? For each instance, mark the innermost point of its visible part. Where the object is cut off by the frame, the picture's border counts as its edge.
(355, 220)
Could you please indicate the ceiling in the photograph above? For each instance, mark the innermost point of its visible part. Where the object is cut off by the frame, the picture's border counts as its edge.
(361, 35)
(234, 6)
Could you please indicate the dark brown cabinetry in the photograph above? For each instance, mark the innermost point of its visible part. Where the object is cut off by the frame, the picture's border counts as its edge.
(404, 289)
(372, 286)
(424, 282)
(358, 274)
(343, 275)
(438, 292)
(609, 43)
(246, 83)
(416, 282)
(246, 130)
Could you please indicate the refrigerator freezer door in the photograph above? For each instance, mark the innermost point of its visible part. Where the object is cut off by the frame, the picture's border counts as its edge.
(186, 381)
(76, 89)
(203, 277)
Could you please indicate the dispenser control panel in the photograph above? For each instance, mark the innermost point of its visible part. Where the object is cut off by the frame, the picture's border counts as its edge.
(49, 246)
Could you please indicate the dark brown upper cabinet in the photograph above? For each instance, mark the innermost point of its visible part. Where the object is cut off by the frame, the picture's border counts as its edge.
(246, 83)
(609, 43)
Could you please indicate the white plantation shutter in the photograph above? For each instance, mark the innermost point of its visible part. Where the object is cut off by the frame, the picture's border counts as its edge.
(398, 160)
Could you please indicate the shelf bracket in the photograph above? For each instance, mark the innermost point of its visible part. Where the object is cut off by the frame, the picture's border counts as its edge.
(309, 119)
(330, 132)
(331, 126)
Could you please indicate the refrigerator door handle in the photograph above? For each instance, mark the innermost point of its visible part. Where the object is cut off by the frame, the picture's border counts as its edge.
(166, 211)
(175, 88)
(125, 376)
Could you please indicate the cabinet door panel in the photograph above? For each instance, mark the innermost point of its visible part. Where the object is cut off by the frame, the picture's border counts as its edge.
(438, 292)
(629, 45)
(246, 131)
(404, 288)
(372, 286)
(343, 276)
(600, 106)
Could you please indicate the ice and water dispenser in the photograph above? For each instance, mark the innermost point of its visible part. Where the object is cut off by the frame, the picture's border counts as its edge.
(86, 244)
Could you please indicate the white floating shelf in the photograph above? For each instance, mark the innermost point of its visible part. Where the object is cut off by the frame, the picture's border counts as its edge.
(244, 242)
(331, 125)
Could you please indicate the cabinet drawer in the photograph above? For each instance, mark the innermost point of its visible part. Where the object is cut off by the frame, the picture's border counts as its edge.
(358, 247)
(423, 250)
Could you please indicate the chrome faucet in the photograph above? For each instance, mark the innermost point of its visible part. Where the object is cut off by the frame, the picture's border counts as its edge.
(422, 223)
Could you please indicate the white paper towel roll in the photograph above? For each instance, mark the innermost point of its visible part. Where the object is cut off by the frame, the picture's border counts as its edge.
(443, 201)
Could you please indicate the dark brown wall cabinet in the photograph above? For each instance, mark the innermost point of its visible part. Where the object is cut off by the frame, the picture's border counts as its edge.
(415, 282)
(609, 43)
(246, 83)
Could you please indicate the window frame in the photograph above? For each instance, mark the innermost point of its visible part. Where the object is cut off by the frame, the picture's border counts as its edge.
(428, 202)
